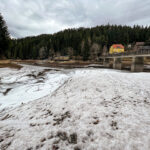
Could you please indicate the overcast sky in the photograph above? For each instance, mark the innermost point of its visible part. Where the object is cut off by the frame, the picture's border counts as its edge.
(33, 17)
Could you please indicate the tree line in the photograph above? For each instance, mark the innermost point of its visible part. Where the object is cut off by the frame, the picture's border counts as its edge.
(81, 43)
(4, 37)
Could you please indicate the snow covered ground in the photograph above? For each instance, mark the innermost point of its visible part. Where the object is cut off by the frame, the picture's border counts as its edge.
(91, 109)
(28, 83)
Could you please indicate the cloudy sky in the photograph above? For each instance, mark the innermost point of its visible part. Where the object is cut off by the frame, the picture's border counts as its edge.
(33, 17)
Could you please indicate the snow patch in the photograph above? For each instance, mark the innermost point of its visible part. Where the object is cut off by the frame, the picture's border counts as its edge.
(22, 86)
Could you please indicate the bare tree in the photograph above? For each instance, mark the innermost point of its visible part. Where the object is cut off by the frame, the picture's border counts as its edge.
(94, 51)
(105, 50)
(70, 52)
(51, 54)
(42, 53)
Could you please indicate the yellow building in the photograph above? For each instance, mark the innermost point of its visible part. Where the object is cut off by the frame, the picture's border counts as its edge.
(116, 48)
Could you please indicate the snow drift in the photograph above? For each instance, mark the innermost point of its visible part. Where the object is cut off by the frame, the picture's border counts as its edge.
(92, 109)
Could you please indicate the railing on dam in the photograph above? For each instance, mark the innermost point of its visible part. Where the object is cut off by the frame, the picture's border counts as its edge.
(130, 53)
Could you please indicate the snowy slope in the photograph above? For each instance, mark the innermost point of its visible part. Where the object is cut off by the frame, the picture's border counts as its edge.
(95, 109)
(27, 84)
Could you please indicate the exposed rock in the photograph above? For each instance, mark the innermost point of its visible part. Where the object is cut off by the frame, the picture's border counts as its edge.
(62, 118)
(56, 141)
(62, 135)
(96, 122)
(43, 139)
(32, 124)
(6, 117)
(55, 147)
(1, 138)
(30, 148)
(7, 90)
(5, 146)
(114, 125)
(77, 148)
(73, 138)
(39, 146)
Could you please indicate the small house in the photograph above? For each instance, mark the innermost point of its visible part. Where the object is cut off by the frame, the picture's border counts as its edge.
(138, 46)
(116, 48)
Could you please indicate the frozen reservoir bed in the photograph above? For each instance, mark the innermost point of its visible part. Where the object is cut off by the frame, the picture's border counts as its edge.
(80, 109)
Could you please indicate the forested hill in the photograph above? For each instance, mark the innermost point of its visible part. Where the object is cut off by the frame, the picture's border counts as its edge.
(81, 43)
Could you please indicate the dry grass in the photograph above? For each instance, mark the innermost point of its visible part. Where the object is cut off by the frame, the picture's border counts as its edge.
(4, 61)
(71, 64)
(147, 61)
(9, 64)
(46, 63)
(64, 64)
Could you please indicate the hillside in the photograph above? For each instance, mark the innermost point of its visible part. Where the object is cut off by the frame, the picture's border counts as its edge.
(80, 44)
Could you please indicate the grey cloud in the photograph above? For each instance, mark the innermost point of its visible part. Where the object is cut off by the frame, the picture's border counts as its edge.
(30, 17)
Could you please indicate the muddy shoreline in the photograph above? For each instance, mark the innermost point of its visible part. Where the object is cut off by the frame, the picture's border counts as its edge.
(77, 64)
(62, 64)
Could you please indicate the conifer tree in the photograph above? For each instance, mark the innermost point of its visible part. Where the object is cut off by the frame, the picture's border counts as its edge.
(4, 36)
(86, 50)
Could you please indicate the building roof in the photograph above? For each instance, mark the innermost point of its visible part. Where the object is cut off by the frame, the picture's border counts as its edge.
(117, 46)
(139, 43)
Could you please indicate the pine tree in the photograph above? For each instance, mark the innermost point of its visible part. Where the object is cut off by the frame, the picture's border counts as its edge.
(4, 37)
(86, 50)
(79, 41)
